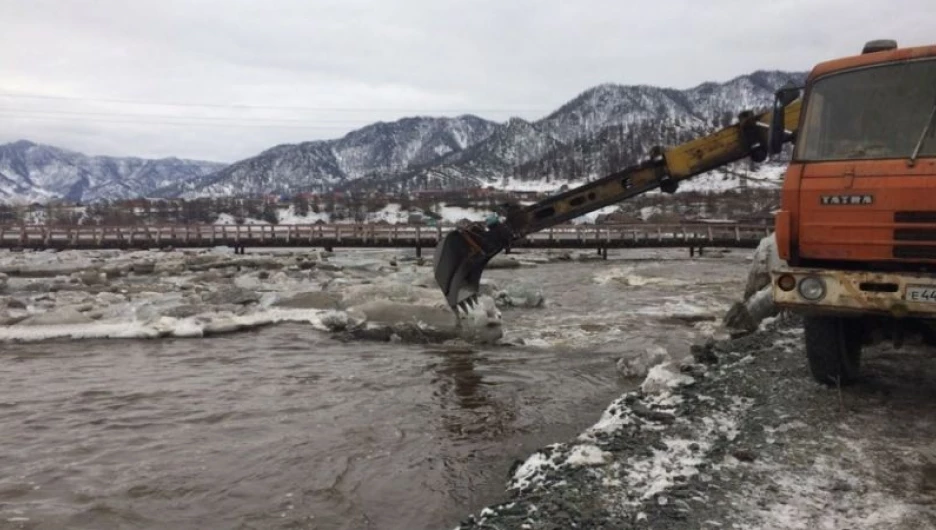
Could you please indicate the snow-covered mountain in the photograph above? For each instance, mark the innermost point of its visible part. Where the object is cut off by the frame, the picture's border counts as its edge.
(594, 133)
(600, 130)
(379, 149)
(32, 172)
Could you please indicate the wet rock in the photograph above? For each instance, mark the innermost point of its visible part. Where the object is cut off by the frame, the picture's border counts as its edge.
(4, 281)
(231, 295)
(746, 316)
(57, 317)
(311, 300)
(704, 353)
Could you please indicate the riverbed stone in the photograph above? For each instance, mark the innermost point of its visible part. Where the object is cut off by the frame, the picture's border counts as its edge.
(747, 315)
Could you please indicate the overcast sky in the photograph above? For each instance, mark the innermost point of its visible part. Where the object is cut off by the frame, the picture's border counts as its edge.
(244, 75)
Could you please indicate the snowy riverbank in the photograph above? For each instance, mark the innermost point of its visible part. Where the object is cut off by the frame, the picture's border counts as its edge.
(741, 437)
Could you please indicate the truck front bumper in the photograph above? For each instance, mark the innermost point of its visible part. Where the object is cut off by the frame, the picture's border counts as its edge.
(825, 291)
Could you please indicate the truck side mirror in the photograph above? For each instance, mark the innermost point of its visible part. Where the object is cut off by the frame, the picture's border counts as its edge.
(783, 97)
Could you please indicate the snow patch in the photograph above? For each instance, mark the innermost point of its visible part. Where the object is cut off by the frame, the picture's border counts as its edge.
(587, 455)
(664, 378)
(190, 327)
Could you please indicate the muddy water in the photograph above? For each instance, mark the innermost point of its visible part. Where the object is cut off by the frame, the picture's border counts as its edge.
(285, 428)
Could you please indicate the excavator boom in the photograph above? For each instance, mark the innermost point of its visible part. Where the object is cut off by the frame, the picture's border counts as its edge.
(462, 255)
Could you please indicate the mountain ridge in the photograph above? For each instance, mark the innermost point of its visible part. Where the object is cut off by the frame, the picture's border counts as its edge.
(596, 131)
(35, 172)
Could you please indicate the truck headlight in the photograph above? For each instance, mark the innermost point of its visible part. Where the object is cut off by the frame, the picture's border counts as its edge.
(812, 288)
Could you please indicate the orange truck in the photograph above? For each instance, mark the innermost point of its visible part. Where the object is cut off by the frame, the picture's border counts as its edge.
(857, 224)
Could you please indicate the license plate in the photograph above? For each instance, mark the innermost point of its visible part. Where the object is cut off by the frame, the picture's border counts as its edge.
(921, 293)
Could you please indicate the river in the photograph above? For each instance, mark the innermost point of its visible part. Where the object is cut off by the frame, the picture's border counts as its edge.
(285, 427)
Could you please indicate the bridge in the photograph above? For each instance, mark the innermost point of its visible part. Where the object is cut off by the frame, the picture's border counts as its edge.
(331, 236)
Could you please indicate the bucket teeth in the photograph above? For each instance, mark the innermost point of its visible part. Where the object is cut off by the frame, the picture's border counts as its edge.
(468, 304)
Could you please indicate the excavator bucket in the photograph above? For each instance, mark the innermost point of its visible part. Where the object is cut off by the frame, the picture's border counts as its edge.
(459, 261)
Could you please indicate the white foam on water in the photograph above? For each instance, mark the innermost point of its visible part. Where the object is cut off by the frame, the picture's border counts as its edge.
(680, 306)
(625, 276)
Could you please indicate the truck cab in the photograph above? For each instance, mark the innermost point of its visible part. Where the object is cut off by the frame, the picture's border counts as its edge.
(857, 225)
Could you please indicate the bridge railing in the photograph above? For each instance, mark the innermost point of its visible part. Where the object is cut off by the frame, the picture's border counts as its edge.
(358, 233)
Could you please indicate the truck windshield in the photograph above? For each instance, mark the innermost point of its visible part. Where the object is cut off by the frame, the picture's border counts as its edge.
(876, 112)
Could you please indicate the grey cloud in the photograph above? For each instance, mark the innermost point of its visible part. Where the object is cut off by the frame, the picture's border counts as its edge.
(492, 58)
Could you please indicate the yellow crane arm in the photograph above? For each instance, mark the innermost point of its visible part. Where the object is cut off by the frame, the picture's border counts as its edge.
(460, 258)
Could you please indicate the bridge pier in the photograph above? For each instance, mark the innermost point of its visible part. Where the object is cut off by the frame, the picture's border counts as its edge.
(693, 251)
(418, 251)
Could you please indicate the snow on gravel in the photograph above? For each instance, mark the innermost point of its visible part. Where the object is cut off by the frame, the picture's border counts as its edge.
(747, 441)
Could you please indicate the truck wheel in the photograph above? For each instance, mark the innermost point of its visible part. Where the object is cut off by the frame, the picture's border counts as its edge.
(833, 348)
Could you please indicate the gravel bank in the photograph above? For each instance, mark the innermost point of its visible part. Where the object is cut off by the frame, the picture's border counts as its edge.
(743, 438)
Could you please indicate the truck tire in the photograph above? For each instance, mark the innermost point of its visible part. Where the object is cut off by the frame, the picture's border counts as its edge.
(833, 348)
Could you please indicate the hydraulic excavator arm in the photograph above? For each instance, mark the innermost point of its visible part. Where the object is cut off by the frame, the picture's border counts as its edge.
(461, 256)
